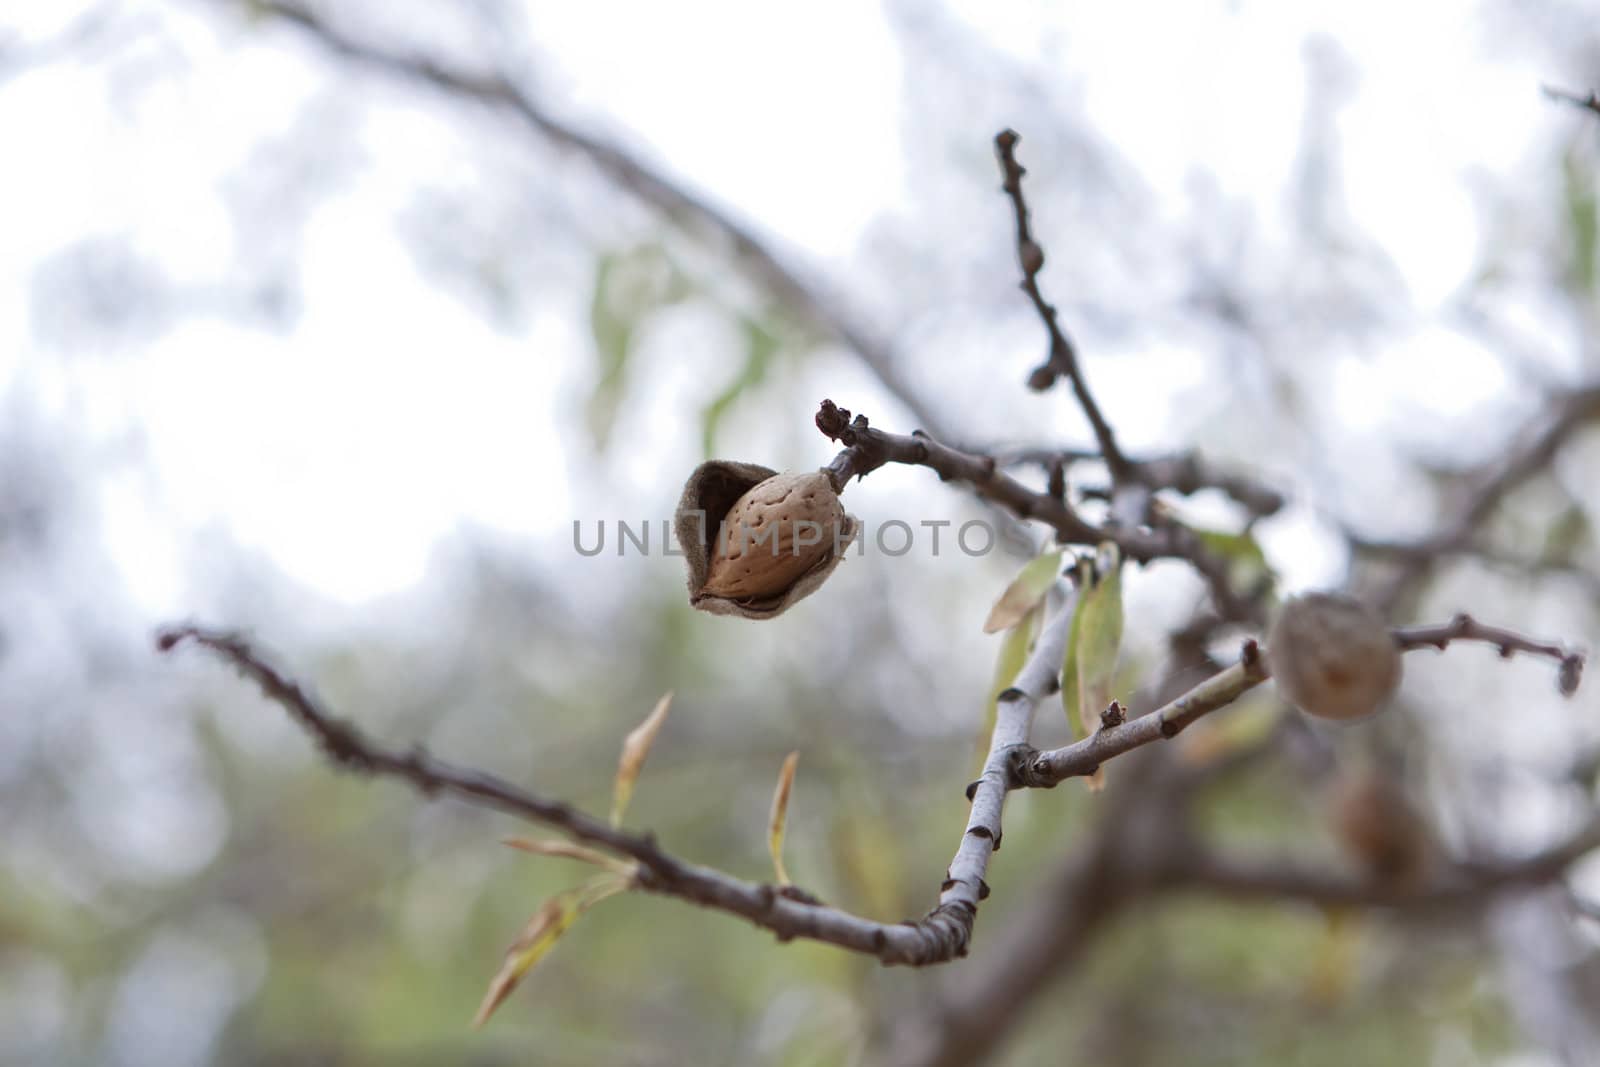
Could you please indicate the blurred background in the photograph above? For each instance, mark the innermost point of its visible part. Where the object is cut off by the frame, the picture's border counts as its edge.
(329, 324)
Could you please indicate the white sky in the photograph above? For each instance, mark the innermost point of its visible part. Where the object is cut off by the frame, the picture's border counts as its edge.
(395, 413)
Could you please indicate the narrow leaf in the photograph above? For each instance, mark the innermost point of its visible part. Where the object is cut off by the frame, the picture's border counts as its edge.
(1247, 563)
(1583, 223)
(1099, 641)
(1024, 593)
(1007, 665)
(555, 846)
(780, 815)
(635, 747)
(761, 344)
(554, 918)
(1083, 581)
(612, 331)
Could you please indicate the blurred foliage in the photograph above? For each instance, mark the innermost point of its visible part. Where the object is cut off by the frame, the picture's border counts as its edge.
(183, 880)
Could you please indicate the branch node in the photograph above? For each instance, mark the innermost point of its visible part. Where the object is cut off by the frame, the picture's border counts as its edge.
(1570, 674)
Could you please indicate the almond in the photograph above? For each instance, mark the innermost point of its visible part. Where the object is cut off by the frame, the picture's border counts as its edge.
(773, 535)
(1332, 656)
(757, 542)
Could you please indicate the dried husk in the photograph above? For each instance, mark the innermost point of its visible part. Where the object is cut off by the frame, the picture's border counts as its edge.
(710, 494)
(1332, 656)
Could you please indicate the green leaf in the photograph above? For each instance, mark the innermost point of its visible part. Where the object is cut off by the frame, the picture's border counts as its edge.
(1024, 593)
(1583, 221)
(1099, 639)
(1247, 563)
(1093, 645)
(1569, 532)
(1083, 580)
(613, 340)
(760, 345)
(628, 287)
(1007, 665)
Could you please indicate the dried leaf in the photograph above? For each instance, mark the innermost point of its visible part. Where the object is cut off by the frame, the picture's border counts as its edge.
(555, 846)
(1024, 593)
(541, 933)
(554, 918)
(780, 815)
(635, 747)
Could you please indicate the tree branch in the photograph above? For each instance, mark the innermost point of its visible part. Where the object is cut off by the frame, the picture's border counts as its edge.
(1465, 628)
(1185, 473)
(1084, 757)
(1591, 102)
(938, 937)
(868, 448)
(964, 886)
(1463, 885)
(1062, 360)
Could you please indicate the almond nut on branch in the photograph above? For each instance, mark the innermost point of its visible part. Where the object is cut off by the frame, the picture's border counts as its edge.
(757, 541)
(1333, 656)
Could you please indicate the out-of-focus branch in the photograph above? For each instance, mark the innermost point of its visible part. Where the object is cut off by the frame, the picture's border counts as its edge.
(1590, 101)
(1463, 884)
(1140, 850)
(868, 448)
(1098, 885)
(628, 171)
(938, 937)
(1491, 556)
(1062, 360)
(1529, 453)
(1186, 473)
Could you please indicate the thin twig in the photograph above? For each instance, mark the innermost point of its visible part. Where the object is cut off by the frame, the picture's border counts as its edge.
(868, 448)
(1084, 757)
(1062, 360)
(1465, 628)
(1185, 473)
(1590, 102)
